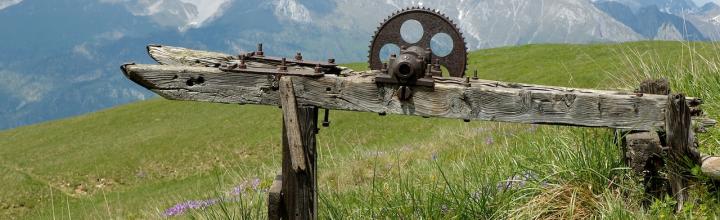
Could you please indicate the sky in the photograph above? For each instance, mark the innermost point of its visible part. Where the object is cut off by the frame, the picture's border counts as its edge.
(701, 2)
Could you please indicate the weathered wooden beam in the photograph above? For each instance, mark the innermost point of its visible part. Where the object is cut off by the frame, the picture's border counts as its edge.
(451, 98)
(169, 55)
(299, 167)
(179, 56)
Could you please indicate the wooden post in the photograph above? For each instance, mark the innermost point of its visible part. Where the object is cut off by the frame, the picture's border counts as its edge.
(299, 179)
(644, 155)
(643, 150)
(681, 152)
(275, 199)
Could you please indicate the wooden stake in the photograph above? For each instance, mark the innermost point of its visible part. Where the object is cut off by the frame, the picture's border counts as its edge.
(643, 150)
(299, 178)
(275, 199)
(679, 139)
(292, 128)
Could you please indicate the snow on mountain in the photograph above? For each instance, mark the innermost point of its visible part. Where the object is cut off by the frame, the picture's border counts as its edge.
(291, 9)
(668, 6)
(648, 20)
(494, 23)
(706, 19)
(182, 14)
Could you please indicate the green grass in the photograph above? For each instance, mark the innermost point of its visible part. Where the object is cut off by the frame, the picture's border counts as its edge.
(137, 160)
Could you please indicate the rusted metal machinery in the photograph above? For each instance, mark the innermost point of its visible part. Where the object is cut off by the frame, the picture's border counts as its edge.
(412, 83)
(417, 64)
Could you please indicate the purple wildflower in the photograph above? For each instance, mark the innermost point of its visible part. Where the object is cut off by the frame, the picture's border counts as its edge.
(239, 189)
(255, 183)
(182, 207)
(242, 187)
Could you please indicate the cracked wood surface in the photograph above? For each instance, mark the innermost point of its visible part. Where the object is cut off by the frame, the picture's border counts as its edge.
(612, 108)
(451, 98)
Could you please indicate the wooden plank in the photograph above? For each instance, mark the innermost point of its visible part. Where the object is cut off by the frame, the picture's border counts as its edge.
(275, 208)
(291, 124)
(169, 55)
(357, 91)
(299, 187)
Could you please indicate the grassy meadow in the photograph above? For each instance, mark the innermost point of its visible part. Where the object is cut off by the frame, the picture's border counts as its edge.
(166, 159)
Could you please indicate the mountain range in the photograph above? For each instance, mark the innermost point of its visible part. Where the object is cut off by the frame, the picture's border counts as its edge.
(60, 58)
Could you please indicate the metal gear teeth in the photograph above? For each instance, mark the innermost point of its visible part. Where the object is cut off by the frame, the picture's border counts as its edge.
(428, 10)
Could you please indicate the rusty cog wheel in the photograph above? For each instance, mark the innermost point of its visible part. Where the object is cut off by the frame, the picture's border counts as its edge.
(433, 23)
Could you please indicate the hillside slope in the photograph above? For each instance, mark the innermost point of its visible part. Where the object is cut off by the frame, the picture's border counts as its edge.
(136, 160)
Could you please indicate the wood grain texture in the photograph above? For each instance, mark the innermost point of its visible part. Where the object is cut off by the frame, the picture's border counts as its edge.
(170, 55)
(275, 207)
(680, 139)
(643, 150)
(357, 91)
(299, 187)
(291, 124)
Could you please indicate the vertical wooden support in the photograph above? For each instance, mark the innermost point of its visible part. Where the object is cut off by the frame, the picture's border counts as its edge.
(680, 141)
(275, 199)
(655, 86)
(644, 154)
(299, 179)
(643, 151)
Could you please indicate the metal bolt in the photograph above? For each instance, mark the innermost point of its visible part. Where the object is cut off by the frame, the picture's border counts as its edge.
(259, 51)
(428, 71)
(318, 69)
(405, 93)
(326, 119)
(242, 62)
(298, 56)
(283, 67)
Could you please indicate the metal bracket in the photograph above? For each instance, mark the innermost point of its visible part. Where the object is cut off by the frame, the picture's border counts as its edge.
(411, 69)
